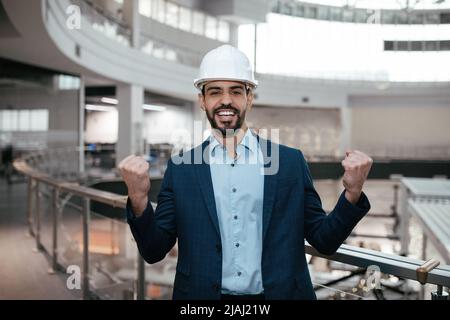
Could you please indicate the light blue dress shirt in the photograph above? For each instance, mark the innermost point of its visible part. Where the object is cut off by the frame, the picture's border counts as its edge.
(238, 191)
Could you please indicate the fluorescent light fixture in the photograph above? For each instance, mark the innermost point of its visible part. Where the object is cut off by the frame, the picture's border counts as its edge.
(153, 107)
(109, 100)
(94, 107)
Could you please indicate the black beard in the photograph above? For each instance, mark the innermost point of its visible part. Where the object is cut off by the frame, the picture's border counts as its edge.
(226, 132)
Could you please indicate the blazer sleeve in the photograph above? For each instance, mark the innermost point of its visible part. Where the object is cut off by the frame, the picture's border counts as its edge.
(325, 232)
(155, 230)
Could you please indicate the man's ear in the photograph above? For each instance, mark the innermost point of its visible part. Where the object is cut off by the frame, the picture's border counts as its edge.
(201, 101)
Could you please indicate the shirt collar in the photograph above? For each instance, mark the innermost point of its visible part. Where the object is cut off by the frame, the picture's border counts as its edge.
(249, 142)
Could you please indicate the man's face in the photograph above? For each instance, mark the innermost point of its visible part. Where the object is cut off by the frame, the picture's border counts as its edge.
(226, 104)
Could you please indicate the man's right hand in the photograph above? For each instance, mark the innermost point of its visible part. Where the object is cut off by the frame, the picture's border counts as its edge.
(134, 171)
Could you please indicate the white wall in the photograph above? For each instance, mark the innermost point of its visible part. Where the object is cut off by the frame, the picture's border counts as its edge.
(401, 126)
(315, 131)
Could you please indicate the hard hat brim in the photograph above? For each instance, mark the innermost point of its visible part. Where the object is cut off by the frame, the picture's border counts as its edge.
(198, 83)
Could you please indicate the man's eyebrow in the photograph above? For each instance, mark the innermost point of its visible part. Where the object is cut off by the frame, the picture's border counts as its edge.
(238, 86)
(213, 88)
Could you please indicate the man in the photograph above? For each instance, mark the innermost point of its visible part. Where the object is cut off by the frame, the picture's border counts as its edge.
(240, 227)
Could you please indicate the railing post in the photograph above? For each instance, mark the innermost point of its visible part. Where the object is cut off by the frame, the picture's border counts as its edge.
(424, 257)
(141, 278)
(404, 220)
(439, 294)
(30, 206)
(55, 212)
(38, 217)
(86, 218)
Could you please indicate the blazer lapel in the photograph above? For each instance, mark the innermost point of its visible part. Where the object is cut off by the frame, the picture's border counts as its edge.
(204, 179)
(270, 183)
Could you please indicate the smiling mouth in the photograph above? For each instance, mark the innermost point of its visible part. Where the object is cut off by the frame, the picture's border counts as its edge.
(226, 113)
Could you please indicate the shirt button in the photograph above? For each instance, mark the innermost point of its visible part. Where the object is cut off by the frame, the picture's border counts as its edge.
(237, 245)
(232, 164)
(234, 189)
(239, 273)
(235, 217)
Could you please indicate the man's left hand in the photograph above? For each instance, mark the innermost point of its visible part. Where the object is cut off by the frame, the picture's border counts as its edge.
(357, 166)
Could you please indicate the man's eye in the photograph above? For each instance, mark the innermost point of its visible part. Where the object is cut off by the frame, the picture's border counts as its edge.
(213, 93)
(237, 93)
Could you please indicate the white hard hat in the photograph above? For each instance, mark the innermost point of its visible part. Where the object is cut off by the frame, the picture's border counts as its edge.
(225, 63)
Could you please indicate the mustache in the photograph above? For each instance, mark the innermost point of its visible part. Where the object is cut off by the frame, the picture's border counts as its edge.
(226, 107)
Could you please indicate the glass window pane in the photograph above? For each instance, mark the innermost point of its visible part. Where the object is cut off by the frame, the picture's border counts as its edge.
(185, 19)
(39, 120)
(211, 27)
(158, 10)
(224, 31)
(24, 120)
(145, 7)
(9, 120)
(172, 14)
(198, 20)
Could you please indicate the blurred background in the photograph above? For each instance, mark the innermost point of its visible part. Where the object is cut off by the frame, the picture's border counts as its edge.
(84, 83)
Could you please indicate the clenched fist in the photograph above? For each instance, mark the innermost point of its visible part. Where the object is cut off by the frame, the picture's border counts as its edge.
(357, 166)
(134, 171)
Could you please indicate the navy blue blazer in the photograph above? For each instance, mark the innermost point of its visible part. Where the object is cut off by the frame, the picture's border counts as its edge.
(292, 212)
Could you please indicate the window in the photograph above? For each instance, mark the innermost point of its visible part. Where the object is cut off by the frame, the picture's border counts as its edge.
(68, 82)
(322, 13)
(185, 19)
(444, 17)
(198, 23)
(431, 45)
(171, 14)
(211, 27)
(299, 10)
(416, 45)
(24, 120)
(347, 15)
(223, 31)
(145, 8)
(38, 120)
(389, 45)
(445, 45)
(158, 10)
(9, 120)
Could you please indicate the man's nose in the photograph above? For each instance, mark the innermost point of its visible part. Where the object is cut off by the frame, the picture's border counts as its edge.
(226, 99)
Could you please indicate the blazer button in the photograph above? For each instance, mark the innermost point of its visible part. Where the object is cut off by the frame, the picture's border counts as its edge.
(218, 248)
(216, 287)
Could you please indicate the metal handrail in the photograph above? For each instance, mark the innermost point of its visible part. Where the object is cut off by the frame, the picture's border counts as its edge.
(400, 266)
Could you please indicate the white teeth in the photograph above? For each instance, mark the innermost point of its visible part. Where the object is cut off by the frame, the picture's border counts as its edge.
(226, 113)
